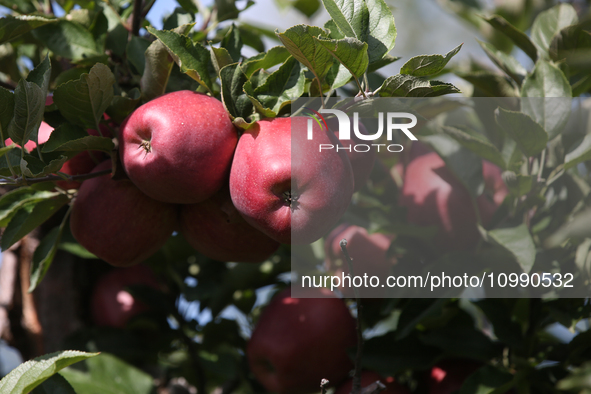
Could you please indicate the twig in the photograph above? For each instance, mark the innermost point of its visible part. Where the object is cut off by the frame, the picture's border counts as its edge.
(136, 20)
(7, 85)
(20, 181)
(7, 282)
(357, 375)
(30, 318)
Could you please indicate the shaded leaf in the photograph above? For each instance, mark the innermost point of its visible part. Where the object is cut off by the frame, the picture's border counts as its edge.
(68, 137)
(580, 154)
(518, 242)
(83, 101)
(14, 200)
(477, 144)
(351, 17)
(518, 37)
(349, 52)
(505, 62)
(68, 39)
(425, 65)
(410, 86)
(549, 23)
(29, 104)
(266, 60)
(56, 384)
(382, 30)
(191, 57)
(235, 100)
(529, 136)
(15, 26)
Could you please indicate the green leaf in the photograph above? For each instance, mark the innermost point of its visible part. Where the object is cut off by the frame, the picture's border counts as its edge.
(351, 17)
(425, 65)
(71, 138)
(32, 166)
(505, 62)
(99, 373)
(29, 218)
(14, 200)
(299, 41)
(518, 37)
(83, 101)
(281, 87)
(29, 104)
(577, 380)
(136, 53)
(122, 106)
(232, 42)
(386, 60)
(580, 154)
(493, 84)
(350, 52)
(179, 17)
(549, 81)
(529, 136)
(54, 385)
(476, 143)
(6, 112)
(465, 165)
(579, 227)
(41, 75)
(68, 39)
(382, 30)
(518, 184)
(192, 58)
(486, 380)
(518, 242)
(43, 256)
(549, 23)
(333, 29)
(6, 149)
(306, 7)
(266, 60)
(15, 26)
(410, 86)
(77, 250)
(337, 76)
(235, 100)
(220, 57)
(31, 374)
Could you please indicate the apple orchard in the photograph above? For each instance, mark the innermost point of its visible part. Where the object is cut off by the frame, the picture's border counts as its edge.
(163, 192)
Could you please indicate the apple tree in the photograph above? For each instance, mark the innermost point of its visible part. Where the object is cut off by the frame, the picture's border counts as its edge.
(90, 92)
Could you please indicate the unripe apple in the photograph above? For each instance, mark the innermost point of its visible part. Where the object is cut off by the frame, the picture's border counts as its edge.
(369, 377)
(111, 304)
(284, 185)
(117, 222)
(434, 196)
(178, 147)
(361, 162)
(298, 342)
(368, 253)
(217, 230)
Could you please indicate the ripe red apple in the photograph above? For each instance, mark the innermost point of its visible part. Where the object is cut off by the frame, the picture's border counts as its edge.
(448, 377)
(367, 378)
(216, 229)
(111, 304)
(434, 196)
(178, 147)
(361, 162)
(117, 222)
(300, 341)
(367, 251)
(284, 185)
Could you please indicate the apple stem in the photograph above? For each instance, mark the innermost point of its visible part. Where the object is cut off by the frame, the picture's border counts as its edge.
(356, 389)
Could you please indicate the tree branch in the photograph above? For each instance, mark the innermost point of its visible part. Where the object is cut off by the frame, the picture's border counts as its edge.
(30, 318)
(20, 181)
(136, 20)
(356, 389)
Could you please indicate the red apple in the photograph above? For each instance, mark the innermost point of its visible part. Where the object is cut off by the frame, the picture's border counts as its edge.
(448, 377)
(284, 185)
(361, 162)
(300, 341)
(434, 196)
(178, 147)
(367, 251)
(117, 222)
(111, 304)
(367, 378)
(217, 230)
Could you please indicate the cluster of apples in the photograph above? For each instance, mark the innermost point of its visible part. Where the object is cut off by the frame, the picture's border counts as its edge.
(233, 199)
